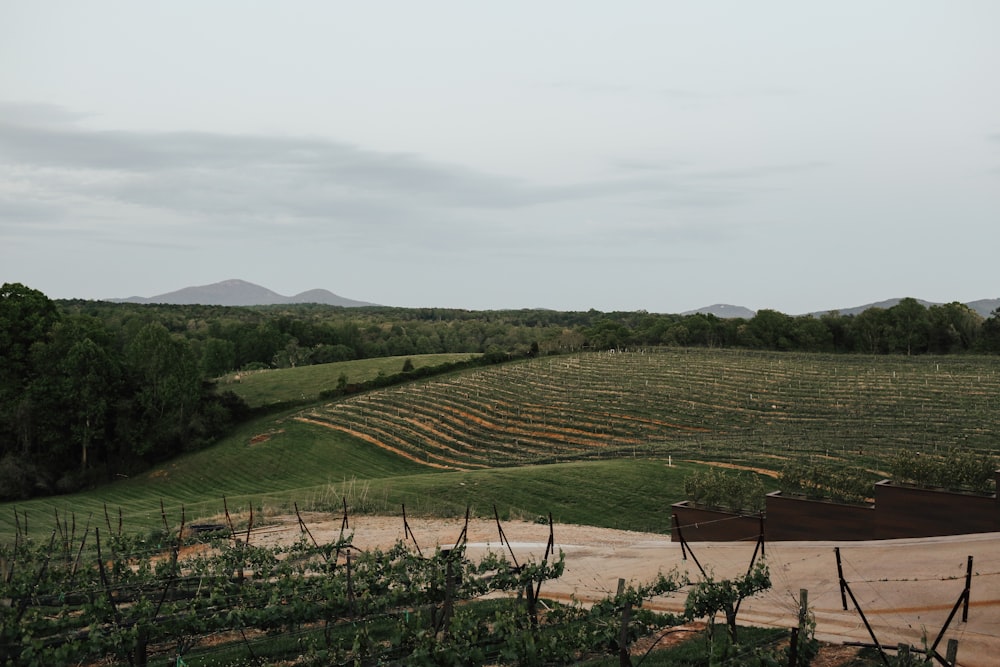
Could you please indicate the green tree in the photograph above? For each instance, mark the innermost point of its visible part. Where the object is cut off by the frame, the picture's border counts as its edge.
(909, 325)
(167, 389)
(769, 330)
(989, 336)
(26, 318)
(954, 327)
(812, 335)
(873, 330)
(218, 357)
(710, 596)
(841, 335)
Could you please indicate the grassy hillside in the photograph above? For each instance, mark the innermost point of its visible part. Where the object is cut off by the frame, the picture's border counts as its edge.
(606, 422)
(266, 387)
(277, 461)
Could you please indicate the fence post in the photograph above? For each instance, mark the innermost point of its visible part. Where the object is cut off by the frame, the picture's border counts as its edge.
(623, 657)
(840, 577)
(803, 606)
(952, 655)
(968, 590)
(449, 593)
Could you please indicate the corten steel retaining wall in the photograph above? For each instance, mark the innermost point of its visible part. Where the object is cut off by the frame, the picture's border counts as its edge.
(706, 525)
(899, 511)
(913, 512)
(791, 518)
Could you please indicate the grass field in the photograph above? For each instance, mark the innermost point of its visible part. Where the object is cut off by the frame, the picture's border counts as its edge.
(266, 387)
(606, 425)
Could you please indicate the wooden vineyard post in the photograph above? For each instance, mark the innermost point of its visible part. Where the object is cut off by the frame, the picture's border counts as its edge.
(793, 644)
(951, 657)
(623, 657)
(803, 606)
(449, 593)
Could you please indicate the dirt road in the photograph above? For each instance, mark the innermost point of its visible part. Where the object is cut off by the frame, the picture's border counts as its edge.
(906, 588)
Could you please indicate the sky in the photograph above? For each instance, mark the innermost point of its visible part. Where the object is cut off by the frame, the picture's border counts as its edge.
(659, 156)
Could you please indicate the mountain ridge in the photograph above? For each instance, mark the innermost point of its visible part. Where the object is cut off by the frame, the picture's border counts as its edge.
(983, 307)
(236, 292)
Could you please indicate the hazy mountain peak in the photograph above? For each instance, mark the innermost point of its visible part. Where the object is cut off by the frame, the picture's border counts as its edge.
(723, 310)
(236, 292)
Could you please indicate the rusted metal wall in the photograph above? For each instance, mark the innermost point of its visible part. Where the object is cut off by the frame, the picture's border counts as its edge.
(911, 512)
(790, 518)
(898, 512)
(706, 525)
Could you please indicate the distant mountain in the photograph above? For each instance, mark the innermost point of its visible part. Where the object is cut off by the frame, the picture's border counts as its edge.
(984, 307)
(857, 310)
(241, 293)
(723, 310)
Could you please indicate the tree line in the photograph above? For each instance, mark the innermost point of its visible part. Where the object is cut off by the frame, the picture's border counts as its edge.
(92, 390)
(83, 400)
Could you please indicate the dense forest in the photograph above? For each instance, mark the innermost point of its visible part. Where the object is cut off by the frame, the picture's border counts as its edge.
(93, 390)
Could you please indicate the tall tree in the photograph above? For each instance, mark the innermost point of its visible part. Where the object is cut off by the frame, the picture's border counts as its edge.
(954, 327)
(989, 337)
(72, 396)
(26, 317)
(909, 326)
(872, 329)
(167, 389)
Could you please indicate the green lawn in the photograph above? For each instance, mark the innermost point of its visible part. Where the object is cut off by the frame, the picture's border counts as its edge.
(276, 461)
(623, 494)
(266, 387)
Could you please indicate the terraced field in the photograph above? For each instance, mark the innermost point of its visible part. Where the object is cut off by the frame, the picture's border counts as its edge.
(610, 422)
(754, 408)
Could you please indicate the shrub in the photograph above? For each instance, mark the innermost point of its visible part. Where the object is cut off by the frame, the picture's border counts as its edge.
(737, 491)
(845, 485)
(958, 469)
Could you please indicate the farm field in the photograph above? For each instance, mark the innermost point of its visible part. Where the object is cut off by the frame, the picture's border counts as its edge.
(751, 408)
(611, 424)
(602, 443)
(267, 387)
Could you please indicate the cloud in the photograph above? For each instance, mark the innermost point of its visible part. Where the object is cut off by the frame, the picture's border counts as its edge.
(336, 169)
(28, 113)
(149, 187)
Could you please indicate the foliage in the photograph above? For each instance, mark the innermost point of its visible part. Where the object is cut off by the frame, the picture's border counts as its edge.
(710, 596)
(957, 469)
(90, 391)
(736, 491)
(608, 422)
(124, 595)
(128, 596)
(81, 402)
(757, 648)
(844, 484)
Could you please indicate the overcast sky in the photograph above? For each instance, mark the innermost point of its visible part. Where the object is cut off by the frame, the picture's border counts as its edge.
(569, 155)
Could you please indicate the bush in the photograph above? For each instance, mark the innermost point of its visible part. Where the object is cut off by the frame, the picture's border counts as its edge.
(845, 485)
(737, 491)
(958, 469)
